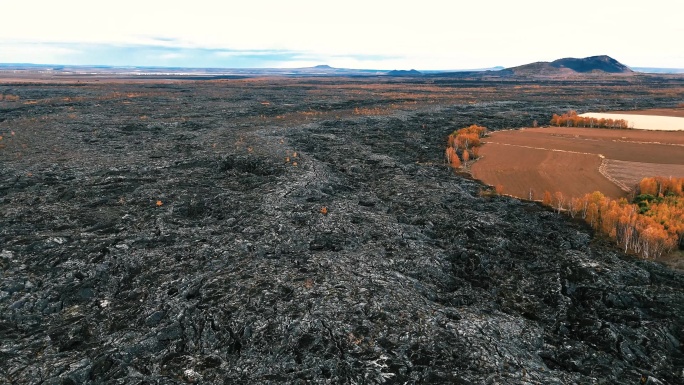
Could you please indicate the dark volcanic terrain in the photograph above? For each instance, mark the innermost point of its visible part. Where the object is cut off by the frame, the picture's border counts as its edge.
(295, 231)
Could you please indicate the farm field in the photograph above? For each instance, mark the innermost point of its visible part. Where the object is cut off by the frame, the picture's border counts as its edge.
(576, 161)
(628, 174)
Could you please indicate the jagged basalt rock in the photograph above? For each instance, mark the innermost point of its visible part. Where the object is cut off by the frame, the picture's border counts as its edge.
(161, 257)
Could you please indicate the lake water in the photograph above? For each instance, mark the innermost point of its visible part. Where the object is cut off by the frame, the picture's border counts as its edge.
(644, 122)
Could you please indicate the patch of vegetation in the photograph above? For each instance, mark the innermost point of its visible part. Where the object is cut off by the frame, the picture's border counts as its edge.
(651, 226)
(571, 119)
(464, 144)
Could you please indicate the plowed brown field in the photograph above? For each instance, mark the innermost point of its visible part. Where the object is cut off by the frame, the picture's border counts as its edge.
(576, 161)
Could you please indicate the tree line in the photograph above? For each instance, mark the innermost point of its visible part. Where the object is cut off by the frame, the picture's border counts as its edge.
(571, 119)
(652, 225)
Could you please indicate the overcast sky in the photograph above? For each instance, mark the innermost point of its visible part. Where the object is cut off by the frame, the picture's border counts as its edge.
(374, 34)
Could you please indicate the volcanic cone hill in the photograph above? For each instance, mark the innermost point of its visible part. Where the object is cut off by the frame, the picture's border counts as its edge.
(594, 64)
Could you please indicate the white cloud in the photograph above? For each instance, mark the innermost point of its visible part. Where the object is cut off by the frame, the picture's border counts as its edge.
(34, 53)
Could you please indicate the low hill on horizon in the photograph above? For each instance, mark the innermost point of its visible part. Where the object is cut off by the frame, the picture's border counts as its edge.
(572, 66)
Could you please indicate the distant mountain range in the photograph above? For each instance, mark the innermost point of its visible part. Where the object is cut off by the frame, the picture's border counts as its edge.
(573, 67)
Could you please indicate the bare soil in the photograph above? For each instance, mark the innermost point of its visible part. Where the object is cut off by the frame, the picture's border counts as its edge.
(628, 174)
(525, 170)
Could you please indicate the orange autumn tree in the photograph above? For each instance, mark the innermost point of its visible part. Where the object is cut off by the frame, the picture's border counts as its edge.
(466, 156)
(452, 157)
(648, 186)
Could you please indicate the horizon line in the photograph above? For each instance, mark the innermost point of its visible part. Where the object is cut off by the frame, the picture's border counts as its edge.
(320, 66)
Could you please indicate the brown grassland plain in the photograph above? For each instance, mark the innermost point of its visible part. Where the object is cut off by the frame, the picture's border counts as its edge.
(576, 161)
